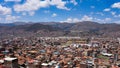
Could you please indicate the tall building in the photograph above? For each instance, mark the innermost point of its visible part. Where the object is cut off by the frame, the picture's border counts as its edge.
(11, 62)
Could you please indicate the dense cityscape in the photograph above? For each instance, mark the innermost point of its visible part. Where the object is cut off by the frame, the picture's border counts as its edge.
(59, 52)
(59, 33)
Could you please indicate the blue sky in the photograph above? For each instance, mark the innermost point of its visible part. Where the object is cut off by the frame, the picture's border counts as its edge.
(71, 11)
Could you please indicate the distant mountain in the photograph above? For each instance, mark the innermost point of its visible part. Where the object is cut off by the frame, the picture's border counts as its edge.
(8, 24)
(20, 23)
(64, 26)
(34, 27)
(45, 23)
(85, 28)
(38, 26)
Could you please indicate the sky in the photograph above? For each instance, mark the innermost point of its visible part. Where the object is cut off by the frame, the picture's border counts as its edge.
(71, 11)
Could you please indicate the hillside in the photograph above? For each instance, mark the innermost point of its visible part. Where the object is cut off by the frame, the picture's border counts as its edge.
(85, 28)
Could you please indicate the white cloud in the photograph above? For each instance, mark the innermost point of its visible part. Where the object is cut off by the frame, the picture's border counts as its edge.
(71, 20)
(33, 5)
(86, 18)
(100, 13)
(12, 0)
(54, 15)
(107, 19)
(104, 20)
(59, 4)
(75, 20)
(107, 9)
(98, 20)
(116, 5)
(31, 13)
(30, 6)
(74, 2)
(117, 15)
(5, 10)
(11, 18)
(113, 13)
(117, 21)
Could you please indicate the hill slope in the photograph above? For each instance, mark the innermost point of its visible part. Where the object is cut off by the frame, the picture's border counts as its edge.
(85, 28)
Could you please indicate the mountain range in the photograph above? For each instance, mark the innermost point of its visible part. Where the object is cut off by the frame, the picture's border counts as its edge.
(85, 28)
